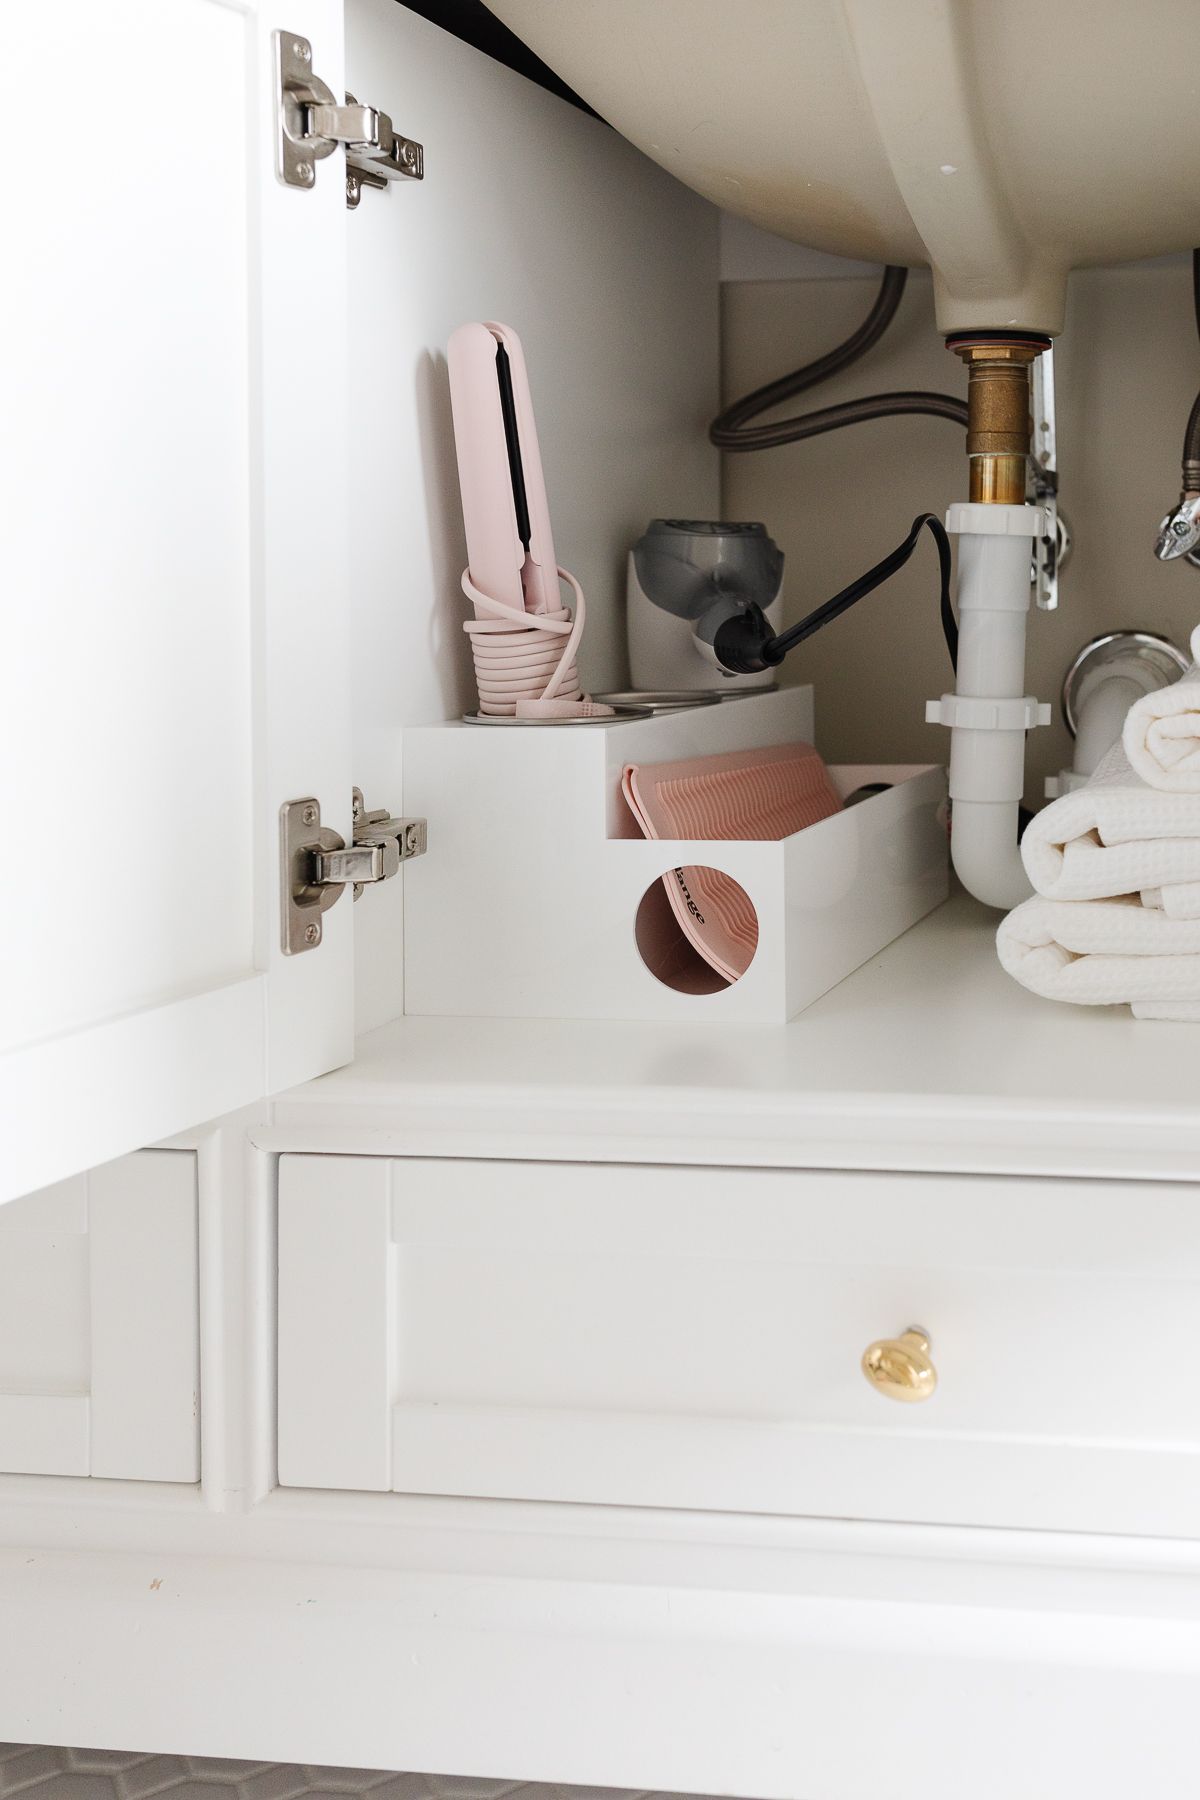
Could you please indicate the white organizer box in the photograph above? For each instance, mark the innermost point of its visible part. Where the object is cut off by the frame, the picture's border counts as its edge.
(525, 905)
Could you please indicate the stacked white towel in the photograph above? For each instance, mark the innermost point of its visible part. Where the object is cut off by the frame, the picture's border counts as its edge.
(1115, 918)
(1162, 733)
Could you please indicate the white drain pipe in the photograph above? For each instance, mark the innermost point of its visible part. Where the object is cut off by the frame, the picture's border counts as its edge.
(989, 713)
(1102, 716)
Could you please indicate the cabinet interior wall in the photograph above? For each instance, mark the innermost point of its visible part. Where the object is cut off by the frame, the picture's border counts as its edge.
(534, 214)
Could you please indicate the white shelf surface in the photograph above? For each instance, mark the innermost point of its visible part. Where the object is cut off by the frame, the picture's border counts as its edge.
(928, 1057)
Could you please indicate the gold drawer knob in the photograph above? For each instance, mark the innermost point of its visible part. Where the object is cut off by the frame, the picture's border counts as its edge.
(902, 1367)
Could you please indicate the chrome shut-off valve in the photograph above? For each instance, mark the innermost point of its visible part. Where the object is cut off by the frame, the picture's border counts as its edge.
(1179, 532)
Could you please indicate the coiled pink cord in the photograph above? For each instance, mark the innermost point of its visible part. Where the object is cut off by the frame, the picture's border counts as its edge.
(523, 666)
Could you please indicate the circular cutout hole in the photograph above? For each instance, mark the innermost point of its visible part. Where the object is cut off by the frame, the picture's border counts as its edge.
(696, 929)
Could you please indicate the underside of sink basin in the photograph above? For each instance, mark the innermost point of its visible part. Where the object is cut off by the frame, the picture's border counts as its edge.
(1003, 142)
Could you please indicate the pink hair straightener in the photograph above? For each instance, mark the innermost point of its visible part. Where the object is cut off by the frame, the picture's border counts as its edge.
(523, 639)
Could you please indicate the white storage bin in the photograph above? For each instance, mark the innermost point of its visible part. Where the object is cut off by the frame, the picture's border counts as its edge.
(525, 906)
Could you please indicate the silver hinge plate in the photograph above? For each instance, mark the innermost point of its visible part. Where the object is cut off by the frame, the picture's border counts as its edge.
(310, 124)
(316, 864)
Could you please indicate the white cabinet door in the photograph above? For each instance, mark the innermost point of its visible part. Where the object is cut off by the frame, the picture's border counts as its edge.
(173, 654)
(99, 1324)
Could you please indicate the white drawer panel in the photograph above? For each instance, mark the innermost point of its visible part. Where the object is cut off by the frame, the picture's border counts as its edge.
(99, 1324)
(692, 1337)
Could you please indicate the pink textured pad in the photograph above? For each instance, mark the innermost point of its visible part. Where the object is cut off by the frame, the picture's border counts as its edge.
(746, 794)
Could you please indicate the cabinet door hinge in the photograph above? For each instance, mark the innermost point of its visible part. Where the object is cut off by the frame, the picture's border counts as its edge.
(310, 124)
(316, 864)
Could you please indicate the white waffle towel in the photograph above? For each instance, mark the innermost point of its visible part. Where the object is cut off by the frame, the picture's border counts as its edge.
(1182, 901)
(1162, 733)
(1105, 953)
(1115, 836)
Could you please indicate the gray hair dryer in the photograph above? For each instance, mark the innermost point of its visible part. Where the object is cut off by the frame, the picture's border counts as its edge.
(687, 579)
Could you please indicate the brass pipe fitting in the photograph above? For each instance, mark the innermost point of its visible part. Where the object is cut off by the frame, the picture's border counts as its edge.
(998, 422)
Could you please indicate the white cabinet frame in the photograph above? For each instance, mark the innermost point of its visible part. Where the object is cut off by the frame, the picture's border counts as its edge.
(706, 1651)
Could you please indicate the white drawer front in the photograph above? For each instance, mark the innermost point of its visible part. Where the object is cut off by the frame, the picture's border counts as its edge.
(99, 1324)
(692, 1338)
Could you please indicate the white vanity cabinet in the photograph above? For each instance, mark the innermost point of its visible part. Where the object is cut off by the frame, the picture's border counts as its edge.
(691, 1338)
(536, 1440)
(99, 1324)
(524, 1354)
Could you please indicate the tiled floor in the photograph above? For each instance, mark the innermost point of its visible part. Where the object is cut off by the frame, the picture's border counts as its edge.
(37, 1772)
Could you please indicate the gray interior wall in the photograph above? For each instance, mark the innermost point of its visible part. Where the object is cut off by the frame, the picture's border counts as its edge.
(1128, 366)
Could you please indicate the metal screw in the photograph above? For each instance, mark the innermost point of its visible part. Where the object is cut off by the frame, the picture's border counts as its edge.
(304, 171)
(310, 815)
(302, 51)
(408, 155)
(312, 934)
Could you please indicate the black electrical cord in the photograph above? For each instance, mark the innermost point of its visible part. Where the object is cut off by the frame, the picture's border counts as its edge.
(776, 648)
(745, 645)
(731, 430)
